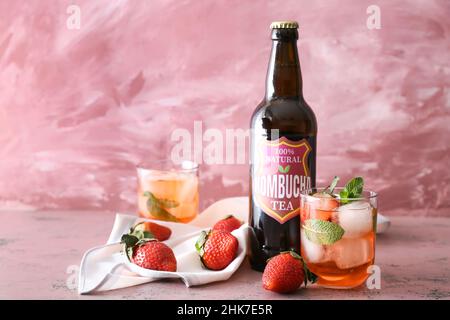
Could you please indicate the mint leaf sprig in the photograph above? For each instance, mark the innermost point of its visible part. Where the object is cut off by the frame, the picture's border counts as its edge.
(352, 190)
(322, 232)
(157, 207)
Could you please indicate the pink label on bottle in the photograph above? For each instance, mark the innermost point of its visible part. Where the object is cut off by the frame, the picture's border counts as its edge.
(281, 173)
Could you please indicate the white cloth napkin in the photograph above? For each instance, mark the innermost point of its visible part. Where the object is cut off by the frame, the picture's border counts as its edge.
(106, 268)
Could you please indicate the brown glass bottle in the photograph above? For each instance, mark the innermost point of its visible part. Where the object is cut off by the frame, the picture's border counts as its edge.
(283, 152)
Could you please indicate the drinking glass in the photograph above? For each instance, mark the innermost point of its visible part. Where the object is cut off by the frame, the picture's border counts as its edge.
(167, 191)
(338, 236)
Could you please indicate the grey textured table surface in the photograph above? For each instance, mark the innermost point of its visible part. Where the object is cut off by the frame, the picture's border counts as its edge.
(40, 252)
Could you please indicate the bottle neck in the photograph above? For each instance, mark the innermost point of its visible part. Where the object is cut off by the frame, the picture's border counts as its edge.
(284, 78)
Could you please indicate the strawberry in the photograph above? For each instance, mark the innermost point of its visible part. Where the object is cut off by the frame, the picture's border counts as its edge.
(158, 231)
(322, 205)
(285, 273)
(322, 208)
(228, 224)
(147, 252)
(216, 249)
(154, 255)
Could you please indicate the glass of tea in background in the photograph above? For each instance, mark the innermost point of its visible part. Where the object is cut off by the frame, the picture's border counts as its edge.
(167, 191)
(338, 237)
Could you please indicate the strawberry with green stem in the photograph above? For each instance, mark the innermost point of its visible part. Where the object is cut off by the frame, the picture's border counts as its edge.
(285, 273)
(217, 249)
(142, 249)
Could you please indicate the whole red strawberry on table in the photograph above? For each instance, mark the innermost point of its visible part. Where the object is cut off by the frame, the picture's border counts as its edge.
(285, 273)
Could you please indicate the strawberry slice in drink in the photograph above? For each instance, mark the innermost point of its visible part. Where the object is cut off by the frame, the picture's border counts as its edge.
(323, 207)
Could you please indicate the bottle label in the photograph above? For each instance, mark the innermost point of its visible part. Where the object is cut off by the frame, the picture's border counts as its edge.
(281, 173)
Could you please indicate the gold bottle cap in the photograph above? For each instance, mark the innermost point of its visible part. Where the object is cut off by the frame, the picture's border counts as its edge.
(284, 25)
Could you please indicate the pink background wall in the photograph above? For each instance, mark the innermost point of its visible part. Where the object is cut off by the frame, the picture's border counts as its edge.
(78, 108)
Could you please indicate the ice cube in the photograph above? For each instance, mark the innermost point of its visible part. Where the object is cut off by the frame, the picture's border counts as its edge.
(187, 187)
(350, 253)
(315, 253)
(355, 218)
